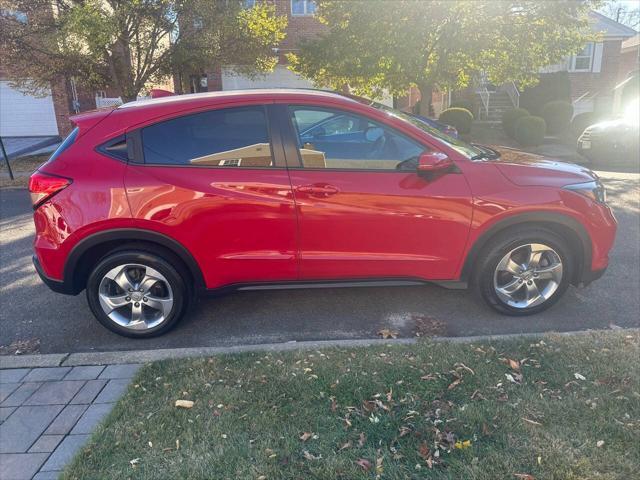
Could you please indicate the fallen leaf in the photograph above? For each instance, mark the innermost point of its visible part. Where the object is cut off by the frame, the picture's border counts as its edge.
(310, 456)
(306, 436)
(454, 384)
(379, 460)
(524, 476)
(184, 404)
(599, 443)
(134, 462)
(513, 364)
(344, 446)
(386, 333)
(364, 464)
(362, 439)
(424, 451)
(579, 377)
(462, 445)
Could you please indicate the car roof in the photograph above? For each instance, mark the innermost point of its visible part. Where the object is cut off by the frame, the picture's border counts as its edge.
(211, 98)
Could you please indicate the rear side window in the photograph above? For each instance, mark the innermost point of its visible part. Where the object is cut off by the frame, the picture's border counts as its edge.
(66, 143)
(231, 137)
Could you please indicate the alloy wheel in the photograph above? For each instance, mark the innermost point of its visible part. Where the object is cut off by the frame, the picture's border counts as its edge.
(528, 275)
(135, 296)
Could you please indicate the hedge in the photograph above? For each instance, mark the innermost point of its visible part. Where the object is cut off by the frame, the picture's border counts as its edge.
(552, 86)
(461, 118)
(509, 119)
(462, 103)
(530, 130)
(557, 115)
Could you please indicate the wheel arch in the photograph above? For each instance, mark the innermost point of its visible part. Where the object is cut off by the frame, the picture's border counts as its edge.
(91, 249)
(567, 227)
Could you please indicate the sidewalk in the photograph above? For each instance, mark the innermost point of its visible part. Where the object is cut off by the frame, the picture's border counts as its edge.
(47, 415)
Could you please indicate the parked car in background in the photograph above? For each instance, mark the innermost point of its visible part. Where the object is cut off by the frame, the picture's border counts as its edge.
(613, 142)
(148, 204)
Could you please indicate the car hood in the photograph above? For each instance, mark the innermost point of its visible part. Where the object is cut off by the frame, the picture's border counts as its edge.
(528, 169)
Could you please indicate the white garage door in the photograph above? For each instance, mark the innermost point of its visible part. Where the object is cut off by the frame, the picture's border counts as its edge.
(281, 77)
(25, 116)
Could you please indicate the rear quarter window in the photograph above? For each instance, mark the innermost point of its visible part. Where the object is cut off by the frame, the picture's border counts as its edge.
(230, 137)
(66, 143)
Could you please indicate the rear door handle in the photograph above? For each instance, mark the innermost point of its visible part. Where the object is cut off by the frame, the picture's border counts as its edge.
(317, 189)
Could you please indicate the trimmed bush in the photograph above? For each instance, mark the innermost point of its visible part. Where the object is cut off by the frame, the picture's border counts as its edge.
(509, 119)
(529, 131)
(557, 115)
(582, 121)
(463, 103)
(461, 118)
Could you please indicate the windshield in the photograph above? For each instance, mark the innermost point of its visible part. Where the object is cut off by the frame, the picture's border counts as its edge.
(461, 147)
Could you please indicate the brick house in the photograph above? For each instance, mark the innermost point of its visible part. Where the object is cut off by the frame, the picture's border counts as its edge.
(301, 24)
(593, 74)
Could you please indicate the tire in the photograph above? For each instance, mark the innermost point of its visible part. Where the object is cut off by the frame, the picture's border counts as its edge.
(494, 278)
(156, 297)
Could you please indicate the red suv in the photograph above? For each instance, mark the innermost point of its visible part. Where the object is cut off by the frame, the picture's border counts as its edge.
(152, 202)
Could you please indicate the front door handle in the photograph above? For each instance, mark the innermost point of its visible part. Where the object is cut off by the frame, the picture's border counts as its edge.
(317, 189)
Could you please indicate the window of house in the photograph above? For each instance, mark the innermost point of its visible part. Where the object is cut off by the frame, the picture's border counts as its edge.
(303, 7)
(582, 61)
(232, 137)
(330, 138)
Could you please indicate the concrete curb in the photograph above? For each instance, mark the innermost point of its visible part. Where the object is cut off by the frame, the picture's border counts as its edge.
(145, 356)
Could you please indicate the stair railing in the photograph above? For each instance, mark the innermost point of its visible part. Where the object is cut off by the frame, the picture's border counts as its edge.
(484, 95)
(513, 92)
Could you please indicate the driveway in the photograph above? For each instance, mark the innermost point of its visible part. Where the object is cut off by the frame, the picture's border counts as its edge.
(30, 312)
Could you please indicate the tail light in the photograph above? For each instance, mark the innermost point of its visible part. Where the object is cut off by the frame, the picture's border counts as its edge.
(43, 186)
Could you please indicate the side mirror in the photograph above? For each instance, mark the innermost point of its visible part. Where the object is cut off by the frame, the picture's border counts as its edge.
(434, 162)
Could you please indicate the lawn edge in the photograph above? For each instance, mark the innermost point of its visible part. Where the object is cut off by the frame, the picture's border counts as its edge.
(146, 356)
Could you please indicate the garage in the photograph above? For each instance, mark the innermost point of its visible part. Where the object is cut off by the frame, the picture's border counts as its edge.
(281, 77)
(25, 115)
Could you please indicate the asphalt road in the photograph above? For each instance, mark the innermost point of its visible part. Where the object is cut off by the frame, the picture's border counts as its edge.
(30, 311)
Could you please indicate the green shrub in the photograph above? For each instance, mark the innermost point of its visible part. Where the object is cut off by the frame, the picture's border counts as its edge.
(509, 119)
(552, 86)
(463, 103)
(557, 115)
(529, 131)
(583, 120)
(460, 118)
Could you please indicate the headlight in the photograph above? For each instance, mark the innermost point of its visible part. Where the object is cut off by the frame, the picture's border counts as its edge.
(594, 190)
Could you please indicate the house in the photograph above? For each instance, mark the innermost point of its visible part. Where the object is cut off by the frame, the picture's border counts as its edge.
(301, 24)
(593, 74)
(42, 114)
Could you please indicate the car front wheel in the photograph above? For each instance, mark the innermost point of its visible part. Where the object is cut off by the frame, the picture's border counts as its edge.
(136, 294)
(525, 271)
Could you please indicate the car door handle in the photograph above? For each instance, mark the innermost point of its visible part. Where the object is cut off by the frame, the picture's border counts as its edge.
(317, 189)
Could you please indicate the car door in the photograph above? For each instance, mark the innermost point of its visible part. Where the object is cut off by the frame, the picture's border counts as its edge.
(363, 211)
(216, 182)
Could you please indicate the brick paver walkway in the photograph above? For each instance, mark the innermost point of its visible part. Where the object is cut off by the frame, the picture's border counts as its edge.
(47, 414)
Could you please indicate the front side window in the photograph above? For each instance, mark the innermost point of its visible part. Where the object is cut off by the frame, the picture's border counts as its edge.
(231, 137)
(583, 60)
(303, 7)
(329, 138)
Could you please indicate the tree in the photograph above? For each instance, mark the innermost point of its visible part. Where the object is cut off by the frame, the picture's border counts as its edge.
(379, 44)
(128, 44)
(622, 12)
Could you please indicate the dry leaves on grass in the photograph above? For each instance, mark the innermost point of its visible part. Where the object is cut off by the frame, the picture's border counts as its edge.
(310, 456)
(386, 333)
(306, 436)
(524, 476)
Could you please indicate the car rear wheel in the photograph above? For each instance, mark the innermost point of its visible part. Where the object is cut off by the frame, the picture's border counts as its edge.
(525, 271)
(137, 294)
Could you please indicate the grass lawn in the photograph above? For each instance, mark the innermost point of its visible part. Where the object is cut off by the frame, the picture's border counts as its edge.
(560, 408)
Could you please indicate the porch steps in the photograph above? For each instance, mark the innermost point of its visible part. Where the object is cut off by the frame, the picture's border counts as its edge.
(499, 102)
